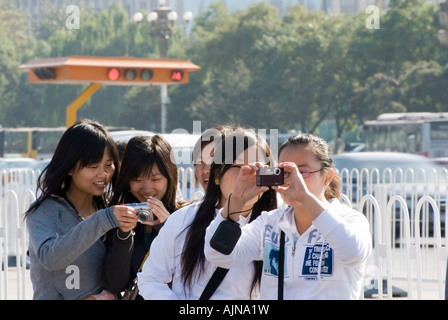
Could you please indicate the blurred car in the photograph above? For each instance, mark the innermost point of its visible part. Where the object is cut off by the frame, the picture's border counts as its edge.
(383, 160)
(434, 184)
(3, 164)
(126, 135)
(182, 143)
(41, 164)
(18, 163)
(443, 161)
(14, 163)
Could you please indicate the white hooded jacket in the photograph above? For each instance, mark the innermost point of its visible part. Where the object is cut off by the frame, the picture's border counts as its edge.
(325, 262)
(163, 266)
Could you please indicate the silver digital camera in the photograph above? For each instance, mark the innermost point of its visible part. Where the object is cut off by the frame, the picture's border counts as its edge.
(144, 213)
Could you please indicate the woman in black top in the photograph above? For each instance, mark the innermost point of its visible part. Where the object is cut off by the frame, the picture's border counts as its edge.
(148, 175)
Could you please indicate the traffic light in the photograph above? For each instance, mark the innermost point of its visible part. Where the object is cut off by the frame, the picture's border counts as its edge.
(144, 75)
(130, 74)
(177, 75)
(110, 70)
(113, 74)
(98, 71)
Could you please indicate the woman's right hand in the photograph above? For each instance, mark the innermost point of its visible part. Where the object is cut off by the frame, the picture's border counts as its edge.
(245, 190)
(126, 217)
(246, 187)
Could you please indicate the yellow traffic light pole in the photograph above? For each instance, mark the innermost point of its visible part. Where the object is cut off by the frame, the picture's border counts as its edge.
(78, 102)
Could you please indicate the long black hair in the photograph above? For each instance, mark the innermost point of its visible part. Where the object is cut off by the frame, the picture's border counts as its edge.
(84, 142)
(193, 258)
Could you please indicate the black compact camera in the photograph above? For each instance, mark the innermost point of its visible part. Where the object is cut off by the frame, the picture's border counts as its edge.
(226, 236)
(144, 213)
(272, 176)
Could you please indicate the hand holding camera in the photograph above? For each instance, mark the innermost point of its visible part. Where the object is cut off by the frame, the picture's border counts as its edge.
(246, 188)
(253, 179)
(294, 189)
(151, 213)
(143, 212)
(126, 218)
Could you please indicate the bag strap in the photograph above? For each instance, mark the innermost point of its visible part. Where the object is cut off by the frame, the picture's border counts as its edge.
(281, 265)
(143, 262)
(213, 283)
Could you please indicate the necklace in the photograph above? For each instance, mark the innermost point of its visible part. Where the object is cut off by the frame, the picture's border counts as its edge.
(85, 212)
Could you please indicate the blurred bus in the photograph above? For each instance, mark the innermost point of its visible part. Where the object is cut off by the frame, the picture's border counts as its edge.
(424, 133)
(36, 143)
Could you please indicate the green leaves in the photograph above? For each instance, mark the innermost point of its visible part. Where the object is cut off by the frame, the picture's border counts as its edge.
(257, 68)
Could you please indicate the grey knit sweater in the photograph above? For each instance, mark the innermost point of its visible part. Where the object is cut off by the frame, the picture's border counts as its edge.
(66, 252)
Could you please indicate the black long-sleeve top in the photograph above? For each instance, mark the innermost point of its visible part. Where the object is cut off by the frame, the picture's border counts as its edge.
(124, 257)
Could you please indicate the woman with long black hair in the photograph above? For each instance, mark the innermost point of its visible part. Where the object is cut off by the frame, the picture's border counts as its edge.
(176, 267)
(67, 222)
(148, 175)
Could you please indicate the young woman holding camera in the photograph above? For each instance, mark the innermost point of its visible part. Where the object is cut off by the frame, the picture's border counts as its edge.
(317, 247)
(147, 175)
(176, 267)
(67, 222)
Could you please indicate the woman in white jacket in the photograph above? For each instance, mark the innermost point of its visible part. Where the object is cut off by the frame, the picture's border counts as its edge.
(176, 267)
(326, 243)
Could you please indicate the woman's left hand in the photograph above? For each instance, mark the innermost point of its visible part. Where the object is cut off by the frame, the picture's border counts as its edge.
(159, 210)
(294, 189)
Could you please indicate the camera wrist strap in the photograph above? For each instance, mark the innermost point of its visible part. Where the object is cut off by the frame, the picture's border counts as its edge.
(213, 283)
(281, 265)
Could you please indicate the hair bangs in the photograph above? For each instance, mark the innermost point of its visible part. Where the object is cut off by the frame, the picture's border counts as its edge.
(92, 153)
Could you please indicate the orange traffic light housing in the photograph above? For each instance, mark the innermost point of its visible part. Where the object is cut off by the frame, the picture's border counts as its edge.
(109, 70)
(98, 71)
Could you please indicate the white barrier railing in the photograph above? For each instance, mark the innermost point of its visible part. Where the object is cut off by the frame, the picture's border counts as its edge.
(405, 215)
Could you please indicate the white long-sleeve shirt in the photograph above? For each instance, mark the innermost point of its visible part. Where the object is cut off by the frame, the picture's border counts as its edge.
(325, 262)
(164, 265)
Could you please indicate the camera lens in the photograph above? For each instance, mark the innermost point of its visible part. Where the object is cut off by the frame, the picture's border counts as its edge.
(277, 171)
(143, 216)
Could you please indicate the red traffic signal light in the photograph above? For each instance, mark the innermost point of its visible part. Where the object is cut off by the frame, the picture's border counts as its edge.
(177, 75)
(113, 74)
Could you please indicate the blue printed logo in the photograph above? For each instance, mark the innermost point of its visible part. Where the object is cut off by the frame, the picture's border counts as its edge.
(271, 260)
(315, 256)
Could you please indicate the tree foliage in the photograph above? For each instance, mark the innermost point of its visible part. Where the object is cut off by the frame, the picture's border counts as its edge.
(259, 69)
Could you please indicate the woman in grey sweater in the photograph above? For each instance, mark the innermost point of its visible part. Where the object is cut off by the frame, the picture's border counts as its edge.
(67, 222)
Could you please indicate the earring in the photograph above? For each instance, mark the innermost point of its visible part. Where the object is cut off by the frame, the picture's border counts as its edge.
(216, 181)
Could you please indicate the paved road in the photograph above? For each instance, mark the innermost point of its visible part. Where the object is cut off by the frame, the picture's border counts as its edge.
(15, 292)
(430, 288)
